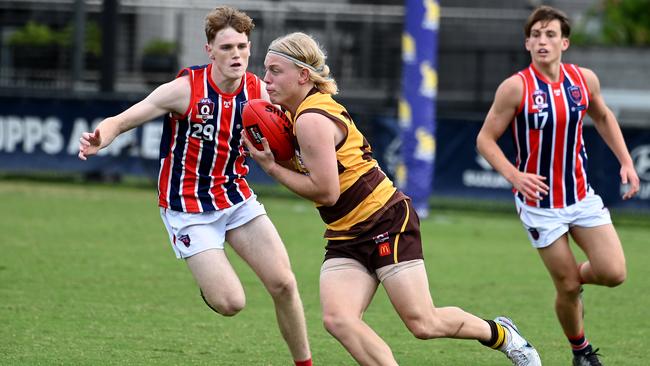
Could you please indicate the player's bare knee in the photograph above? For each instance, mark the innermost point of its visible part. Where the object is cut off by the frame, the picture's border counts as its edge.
(424, 327)
(284, 287)
(230, 308)
(334, 323)
(568, 287)
(224, 306)
(420, 330)
(338, 321)
(614, 278)
(330, 323)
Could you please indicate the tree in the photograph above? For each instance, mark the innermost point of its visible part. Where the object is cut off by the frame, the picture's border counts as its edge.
(615, 23)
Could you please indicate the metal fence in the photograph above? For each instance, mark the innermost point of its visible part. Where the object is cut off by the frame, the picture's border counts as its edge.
(363, 43)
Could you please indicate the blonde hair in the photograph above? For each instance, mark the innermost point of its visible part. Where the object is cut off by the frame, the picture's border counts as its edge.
(305, 52)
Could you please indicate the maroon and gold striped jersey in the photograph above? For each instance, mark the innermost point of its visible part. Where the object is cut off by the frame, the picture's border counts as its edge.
(366, 192)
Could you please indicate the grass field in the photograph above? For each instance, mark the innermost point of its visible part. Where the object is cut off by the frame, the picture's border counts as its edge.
(87, 277)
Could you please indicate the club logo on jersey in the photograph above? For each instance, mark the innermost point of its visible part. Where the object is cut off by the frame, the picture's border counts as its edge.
(534, 233)
(575, 94)
(539, 100)
(206, 109)
(185, 239)
(227, 103)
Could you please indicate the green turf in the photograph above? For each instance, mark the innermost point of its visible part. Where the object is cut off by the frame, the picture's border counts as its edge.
(87, 277)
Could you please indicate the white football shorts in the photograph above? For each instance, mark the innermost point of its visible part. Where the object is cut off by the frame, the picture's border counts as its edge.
(191, 233)
(546, 225)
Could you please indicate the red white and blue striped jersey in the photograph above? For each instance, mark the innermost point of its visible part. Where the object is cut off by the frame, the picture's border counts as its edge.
(202, 167)
(547, 131)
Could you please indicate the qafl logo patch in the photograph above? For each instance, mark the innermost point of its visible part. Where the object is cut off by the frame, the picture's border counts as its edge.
(539, 100)
(205, 108)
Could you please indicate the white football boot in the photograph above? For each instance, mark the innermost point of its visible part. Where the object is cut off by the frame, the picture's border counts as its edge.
(516, 347)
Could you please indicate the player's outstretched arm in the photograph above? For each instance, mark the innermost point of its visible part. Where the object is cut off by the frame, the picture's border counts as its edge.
(506, 102)
(172, 97)
(609, 129)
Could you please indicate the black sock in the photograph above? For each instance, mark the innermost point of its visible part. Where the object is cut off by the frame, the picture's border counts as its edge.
(498, 336)
(579, 344)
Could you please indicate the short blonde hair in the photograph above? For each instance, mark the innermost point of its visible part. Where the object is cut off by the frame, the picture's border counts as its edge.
(303, 48)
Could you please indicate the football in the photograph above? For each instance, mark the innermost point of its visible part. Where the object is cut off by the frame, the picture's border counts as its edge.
(263, 119)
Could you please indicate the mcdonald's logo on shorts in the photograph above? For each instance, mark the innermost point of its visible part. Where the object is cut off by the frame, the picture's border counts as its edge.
(384, 249)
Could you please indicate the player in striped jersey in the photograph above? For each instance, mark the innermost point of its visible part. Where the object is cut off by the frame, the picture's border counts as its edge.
(204, 198)
(372, 230)
(545, 105)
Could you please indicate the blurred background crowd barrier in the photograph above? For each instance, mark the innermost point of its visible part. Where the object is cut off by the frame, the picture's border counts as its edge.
(66, 64)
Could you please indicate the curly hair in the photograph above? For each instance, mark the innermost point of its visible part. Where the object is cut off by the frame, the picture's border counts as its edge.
(225, 16)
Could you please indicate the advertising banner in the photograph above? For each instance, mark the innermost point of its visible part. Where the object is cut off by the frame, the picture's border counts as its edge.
(43, 135)
(417, 102)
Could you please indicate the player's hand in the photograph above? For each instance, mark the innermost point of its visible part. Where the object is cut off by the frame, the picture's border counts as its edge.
(631, 179)
(264, 158)
(532, 186)
(89, 144)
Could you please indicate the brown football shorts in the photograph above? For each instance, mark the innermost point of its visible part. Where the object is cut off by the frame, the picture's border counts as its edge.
(394, 238)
